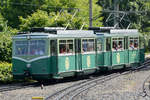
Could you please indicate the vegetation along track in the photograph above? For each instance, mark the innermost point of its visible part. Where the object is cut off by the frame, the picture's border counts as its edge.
(71, 92)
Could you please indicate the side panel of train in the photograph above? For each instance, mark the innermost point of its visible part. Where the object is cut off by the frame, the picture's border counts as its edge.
(119, 51)
(75, 56)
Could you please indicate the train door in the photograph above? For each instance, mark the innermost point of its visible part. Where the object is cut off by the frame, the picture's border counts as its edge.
(107, 52)
(66, 57)
(126, 51)
(78, 55)
(53, 58)
(88, 53)
(100, 53)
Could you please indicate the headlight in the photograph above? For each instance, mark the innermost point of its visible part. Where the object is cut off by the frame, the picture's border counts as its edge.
(28, 65)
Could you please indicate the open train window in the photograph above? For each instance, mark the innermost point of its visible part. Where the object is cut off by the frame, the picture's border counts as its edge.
(133, 43)
(88, 45)
(66, 46)
(117, 44)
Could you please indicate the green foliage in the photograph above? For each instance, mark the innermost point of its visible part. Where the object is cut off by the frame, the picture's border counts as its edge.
(43, 19)
(5, 47)
(16, 8)
(37, 19)
(83, 5)
(5, 72)
(6, 41)
(50, 15)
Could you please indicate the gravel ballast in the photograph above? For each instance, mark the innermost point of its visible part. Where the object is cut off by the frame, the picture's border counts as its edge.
(125, 87)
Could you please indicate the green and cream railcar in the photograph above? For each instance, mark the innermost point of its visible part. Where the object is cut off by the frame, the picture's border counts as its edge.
(119, 48)
(56, 54)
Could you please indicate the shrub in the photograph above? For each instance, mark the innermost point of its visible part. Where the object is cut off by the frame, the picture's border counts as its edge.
(5, 72)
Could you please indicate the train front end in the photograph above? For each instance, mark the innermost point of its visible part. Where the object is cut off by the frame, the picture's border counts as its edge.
(30, 56)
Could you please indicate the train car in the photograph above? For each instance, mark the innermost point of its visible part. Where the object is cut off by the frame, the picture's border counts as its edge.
(53, 53)
(48, 53)
(118, 48)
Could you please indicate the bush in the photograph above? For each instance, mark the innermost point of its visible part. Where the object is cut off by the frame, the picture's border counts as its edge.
(5, 72)
(6, 45)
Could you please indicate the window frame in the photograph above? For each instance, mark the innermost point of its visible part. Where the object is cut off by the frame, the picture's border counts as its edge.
(66, 53)
(117, 40)
(28, 47)
(88, 52)
(101, 42)
(133, 38)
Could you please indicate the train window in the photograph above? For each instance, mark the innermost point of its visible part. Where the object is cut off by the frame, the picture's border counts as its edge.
(37, 47)
(88, 45)
(21, 47)
(91, 45)
(117, 44)
(120, 47)
(114, 46)
(32, 47)
(84, 45)
(99, 46)
(65, 46)
(133, 43)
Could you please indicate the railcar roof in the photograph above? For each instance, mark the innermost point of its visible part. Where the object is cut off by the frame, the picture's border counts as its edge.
(119, 33)
(60, 34)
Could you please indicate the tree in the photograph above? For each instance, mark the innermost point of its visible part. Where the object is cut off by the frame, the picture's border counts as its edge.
(16, 8)
(132, 14)
(63, 13)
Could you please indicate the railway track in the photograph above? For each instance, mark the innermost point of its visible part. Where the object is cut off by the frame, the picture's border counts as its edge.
(16, 86)
(71, 92)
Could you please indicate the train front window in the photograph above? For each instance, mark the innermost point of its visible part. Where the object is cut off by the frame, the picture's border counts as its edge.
(37, 47)
(21, 48)
(32, 47)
